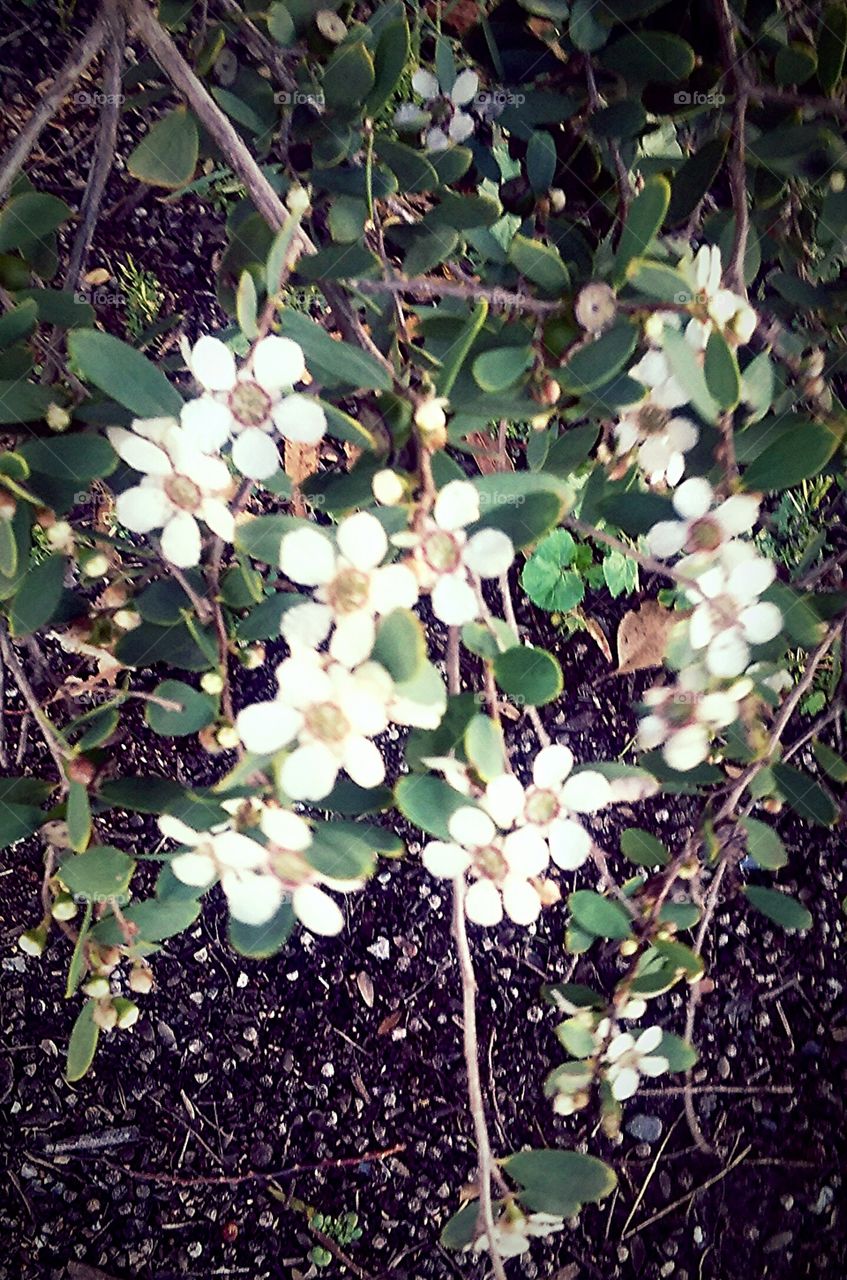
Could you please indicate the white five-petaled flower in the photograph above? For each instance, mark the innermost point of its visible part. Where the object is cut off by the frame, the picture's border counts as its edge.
(353, 587)
(514, 1229)
(290, 836)
(181, 485)
(724, 307)
(504, 865)
(728, 616)
(447, 562)
(254, 894)
(442, 109)
(684, 717)
(543, 812)
(703, 526)
(649, 426)
(250, 403)
(628, 1059)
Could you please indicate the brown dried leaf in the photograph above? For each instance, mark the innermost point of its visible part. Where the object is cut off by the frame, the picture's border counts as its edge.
(485, 452)
(366, 988)
(388, 1024)
(643, 637)
(598, 635)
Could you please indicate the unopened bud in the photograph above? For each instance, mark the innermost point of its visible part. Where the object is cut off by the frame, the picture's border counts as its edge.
(549, 392)
(815, 363)
(744, 323)
(815, 387)
(549, 892)
(57, 418)
(297, 200)
(431, 420)
(127, 1012)
(113, 596)
(539, 422)
(557, 199)
(56, 832)
(654, 327)
(227, 737)
(64, 907)
(388, 488)
(628, 947)
(60, 536)
(126, 619)
(212, 682)
(596, 306)
(837, 181)
(96, 566)
(81, 770)
(33, 941)
(106, 959)
(8, 506)
(330, 26)
(140, 980)
(105, 1015)
(98, 988)
(208, 740)
(254, 657)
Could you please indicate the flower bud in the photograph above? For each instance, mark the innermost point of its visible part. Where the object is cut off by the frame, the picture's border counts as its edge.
(227, 737)
(33, 942)
(57, 418)
(208, 739)
(64, 907)
(539, 422)
(388, 488)
(837, 181)
(744, 323)
(126, 619)
(113, 596)
(56, 832)
(98, 988)
(60, 537)
(815, 388)
(127, 1012)
(140, 980)
(8, 506)
(105, 959)
(549, 392)
(298, 200)
(557, 199)
(596, 306)
(96, 566)
(105, 1015)
(628, 947)
(254, 657)
(212, 682)
(431, 421)
(81, 770)
(331, 27)
(815, 363)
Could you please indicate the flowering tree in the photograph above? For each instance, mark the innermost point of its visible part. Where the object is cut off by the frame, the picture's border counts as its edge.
(568, 299)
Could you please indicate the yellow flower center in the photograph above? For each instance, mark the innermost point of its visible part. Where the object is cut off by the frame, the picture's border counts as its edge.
(348, 590)
(249, 403)
(183, 493)
(441, 551)
(326, 722)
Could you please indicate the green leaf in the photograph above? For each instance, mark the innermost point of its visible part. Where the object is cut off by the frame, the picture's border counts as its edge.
(643, 849)
(598, 359)
(585, 30)
(832, 764)
(540, 263)
(344, 850)
(23, 401)
(683, 915)
(795, 63)
(78, 458)
(645, 217)
(805, 796)
(246, 303)
(428, 803)
(524, 505)
(452, 364)
(764, 845)
(75, 968)
(196, 710)
(78, 816)
(599, 915)
(721, 369)
(795, 456)
(100, 873)
(694, 179)
(167, 155)
(832, 46)
(412, 169)
(484, 747)
(501, 367)
(784, 910)
(146, 794)
(281, 24)
(262, 536)
(17, 822)
(18, 323)
(124, 374)
(650, 57)
(60, 307)
(622, 119)
(681, 1054)
(29, 218)
(339, 262)
(570, 450)
(38, 596)
(546, 578)
(429, 249)
(689, 374)
(459, 1230)
(156, 919)
(349, 76)
(259, 941)
(400, 645)
(263, 622)
(82, 1044)
(559, 1182)
(541, 161)
(334, 363)
(177, 646)
(527, 673)
(392, 54)
(658, 280)
(463, 212)
(635, 513)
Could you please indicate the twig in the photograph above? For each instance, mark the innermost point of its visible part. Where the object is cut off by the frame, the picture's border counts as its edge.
(104, 152)
(59, 751)
(677, 1204)
(252, 1175)
(734, 70)
(78, 59)
(425, 290)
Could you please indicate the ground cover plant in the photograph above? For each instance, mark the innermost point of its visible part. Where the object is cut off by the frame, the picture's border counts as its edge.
(521, 339)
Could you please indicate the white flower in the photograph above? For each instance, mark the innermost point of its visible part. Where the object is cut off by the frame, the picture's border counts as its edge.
(544, 811)
(290, 836)
(701, 529)
(254, 894)
(513, 1230)
(504, 869)
(723, 307)
(447, 562)
(181, 485)
(728, 616)
(660, 438)
(250, 403)
(628, 1059)
(442, 110)
(684, 717)
(352, 589)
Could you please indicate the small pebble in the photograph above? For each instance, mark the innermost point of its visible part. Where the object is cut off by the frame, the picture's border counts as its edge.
(645, 1128)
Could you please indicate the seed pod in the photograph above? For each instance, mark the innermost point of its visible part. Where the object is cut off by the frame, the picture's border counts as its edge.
(596, 306)
(140, 980)
(81, 770)
(105, 1015)
(33, 942)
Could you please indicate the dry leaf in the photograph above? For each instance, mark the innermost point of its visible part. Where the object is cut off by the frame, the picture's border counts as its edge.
(598, 635)
(99, 275)
(366, 988)
(301, 461)
(388, 1024)
(643, 637)
(485, 453)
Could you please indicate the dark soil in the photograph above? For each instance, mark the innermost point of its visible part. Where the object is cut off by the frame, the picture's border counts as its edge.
(339, 1050)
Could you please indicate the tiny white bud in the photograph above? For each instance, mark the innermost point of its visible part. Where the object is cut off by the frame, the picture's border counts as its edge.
(227, 737)
(654, 327)
(126, 619)
(254, 657)
(105, 1015)
(212, 682)
(744, 323)
(557, 199)
(596, 306)
(60, 536)
(97, 988)
(33, 941)
(430, 415)
(127, 1012)
(96, 566)
(298, 201)
(140, 980)
(57, 418)
(64, 907)
(388, 488)
(837, 181)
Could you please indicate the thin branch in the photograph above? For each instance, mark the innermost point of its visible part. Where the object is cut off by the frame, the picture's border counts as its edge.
(734, 70)
(425, 290)
(788, 98)
(76, 63)
(58, 750)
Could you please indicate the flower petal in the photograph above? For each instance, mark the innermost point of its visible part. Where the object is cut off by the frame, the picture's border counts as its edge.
(277, 363)
(299, 418)
(317, 911)
(728, 654)
(181, 541)
(526, 852)
(142, 508)
(286, 829)
(197, 869)
(307, 625)
(353, 639)
(446, 860)
(761, 622)
(309, 773)
(457, 504)
(483, 904)
(586, 792)
(454, 600)
(252, 899)
(255, 454)
(737, 514)
(394, 586)
(504, 799)
(624, 1083)
(238, 852)
(489, 553)
(265, 727)
(471, 828)
(218, 517)
(362, 540)
(207, 423)
(364, 763)
(425, 84)
(308, 557)
(140, 454)
(520, 900)
(552, 765)
(693, 498)
(213, 364)
(687, 747)
(464, 88)
(570, 843)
